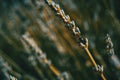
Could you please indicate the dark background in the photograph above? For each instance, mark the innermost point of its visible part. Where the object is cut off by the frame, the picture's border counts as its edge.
(95, 18)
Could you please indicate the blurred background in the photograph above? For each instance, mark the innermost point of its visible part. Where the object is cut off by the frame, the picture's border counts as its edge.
(95, 18)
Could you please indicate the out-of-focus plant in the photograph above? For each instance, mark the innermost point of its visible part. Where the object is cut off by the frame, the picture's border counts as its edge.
(42, 58)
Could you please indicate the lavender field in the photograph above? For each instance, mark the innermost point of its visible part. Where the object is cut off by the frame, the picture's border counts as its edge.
(59, 40)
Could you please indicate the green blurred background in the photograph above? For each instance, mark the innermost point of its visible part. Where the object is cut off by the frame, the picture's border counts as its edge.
(95, 18)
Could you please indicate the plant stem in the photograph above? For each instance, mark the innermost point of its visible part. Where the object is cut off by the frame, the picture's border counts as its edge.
(93, 61)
